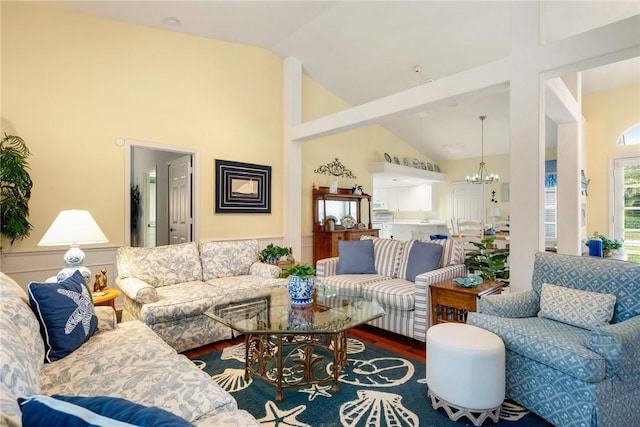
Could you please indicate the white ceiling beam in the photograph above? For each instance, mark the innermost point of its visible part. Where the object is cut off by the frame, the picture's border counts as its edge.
(604, 45)
(486, 77)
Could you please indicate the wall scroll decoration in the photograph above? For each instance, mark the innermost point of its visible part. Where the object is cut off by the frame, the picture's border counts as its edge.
(242, 187)
(335, 168)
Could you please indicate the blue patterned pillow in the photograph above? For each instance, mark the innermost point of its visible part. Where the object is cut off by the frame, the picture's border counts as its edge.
(423, 257)
(72, 411)
(66, 314)
(355, 257)
(584, 309)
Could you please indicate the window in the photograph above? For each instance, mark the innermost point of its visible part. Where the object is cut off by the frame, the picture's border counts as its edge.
(631, 136)
(550, 204)
(626, 217)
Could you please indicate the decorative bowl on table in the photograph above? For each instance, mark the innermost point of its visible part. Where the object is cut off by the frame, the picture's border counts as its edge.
(470, 281)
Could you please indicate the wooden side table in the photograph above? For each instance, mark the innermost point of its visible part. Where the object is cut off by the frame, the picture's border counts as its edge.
(451, 302)
(108, 299)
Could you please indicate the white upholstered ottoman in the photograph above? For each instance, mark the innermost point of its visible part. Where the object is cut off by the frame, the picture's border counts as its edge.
(465, 371)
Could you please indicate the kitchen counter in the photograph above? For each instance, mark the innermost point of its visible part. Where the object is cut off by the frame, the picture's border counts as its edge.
(436, 222)
(406, 229)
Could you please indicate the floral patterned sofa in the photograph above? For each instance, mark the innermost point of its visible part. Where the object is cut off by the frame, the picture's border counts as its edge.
(169, 288)
(572, 341)
(406, 303)
(126, 360)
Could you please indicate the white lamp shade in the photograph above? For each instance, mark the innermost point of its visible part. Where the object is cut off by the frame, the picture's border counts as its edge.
(73, 227)
(495, 212)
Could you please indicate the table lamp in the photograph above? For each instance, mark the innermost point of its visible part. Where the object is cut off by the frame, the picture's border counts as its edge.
(73, 227)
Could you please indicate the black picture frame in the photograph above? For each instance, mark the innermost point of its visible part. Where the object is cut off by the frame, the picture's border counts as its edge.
(242, 187)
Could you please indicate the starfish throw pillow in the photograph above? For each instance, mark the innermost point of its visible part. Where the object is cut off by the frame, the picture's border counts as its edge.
(66, 314)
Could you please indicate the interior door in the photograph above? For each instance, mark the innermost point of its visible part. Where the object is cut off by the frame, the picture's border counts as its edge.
(468, 201)
(180, 219)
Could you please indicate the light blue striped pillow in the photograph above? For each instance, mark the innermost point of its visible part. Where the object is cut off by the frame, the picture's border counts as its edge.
(386, 253)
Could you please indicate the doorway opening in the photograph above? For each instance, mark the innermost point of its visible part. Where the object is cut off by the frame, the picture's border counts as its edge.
(148, 184)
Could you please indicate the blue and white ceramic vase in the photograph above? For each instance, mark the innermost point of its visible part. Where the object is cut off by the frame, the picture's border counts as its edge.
(300, 290)
(301, 318)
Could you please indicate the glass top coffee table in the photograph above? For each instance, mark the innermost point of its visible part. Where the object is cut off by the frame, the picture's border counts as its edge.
(289, 345)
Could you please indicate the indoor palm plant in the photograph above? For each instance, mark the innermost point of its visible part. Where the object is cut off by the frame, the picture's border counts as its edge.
(16, 188)
(488, 261)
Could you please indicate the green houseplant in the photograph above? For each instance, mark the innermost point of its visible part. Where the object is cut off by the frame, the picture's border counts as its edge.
(300, 283)
(272, 253)
(489, 262)
(16, 188)
(609, 246)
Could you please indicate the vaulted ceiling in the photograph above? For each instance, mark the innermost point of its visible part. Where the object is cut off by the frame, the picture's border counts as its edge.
(364, 50)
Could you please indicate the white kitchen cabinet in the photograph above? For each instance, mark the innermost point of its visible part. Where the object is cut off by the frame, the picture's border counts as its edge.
(408, 199)
(416, 198)
(393, 200)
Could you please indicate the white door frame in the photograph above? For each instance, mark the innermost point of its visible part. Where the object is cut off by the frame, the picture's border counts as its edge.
(130, 144)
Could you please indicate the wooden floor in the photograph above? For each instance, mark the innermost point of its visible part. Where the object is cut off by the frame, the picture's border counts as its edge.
(404, 346)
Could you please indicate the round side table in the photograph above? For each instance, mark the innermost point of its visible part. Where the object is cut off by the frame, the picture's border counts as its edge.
(106, 297)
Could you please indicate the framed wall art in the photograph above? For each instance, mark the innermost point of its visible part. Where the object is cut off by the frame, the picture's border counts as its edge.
(242, 187)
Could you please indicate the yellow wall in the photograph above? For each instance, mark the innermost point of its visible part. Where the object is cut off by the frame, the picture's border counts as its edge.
(608, 114)
(355, 149)
(72, 84)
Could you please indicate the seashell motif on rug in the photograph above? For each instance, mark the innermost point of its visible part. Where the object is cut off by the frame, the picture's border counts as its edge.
(376, 408)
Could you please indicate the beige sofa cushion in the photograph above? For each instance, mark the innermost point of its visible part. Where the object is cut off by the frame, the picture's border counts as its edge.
(162, 265)
(227, 258)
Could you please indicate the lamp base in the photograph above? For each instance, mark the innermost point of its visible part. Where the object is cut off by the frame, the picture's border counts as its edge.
(68, 272)
(73, 259)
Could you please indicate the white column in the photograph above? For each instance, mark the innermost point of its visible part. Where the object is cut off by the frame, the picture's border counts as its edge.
(527, 146)
(292, 156)
(570, 161)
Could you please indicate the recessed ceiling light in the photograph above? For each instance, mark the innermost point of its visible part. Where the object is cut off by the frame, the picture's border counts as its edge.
(173, 21)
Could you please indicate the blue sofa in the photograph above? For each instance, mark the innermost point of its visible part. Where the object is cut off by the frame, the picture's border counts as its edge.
(570, 375)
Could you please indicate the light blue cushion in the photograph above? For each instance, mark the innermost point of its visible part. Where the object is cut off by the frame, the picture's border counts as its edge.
(66, 314)
(355, 257)
(584, 309)
(423, 257)
(72, 411)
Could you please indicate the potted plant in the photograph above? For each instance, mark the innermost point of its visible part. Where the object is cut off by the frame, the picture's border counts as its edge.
(16, 188)
(609, 246)
(356, 189)
(488, 262)
(300, 283)
(272, 253)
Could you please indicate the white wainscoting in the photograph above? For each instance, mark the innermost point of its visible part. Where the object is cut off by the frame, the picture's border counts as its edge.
(39, 265)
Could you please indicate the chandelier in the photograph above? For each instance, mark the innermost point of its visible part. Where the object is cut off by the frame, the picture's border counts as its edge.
(482, 176)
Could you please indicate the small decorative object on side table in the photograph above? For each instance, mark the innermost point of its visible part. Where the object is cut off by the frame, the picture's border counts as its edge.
(451, 302)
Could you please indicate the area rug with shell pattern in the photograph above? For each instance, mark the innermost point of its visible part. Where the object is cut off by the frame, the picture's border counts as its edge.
(377, 388)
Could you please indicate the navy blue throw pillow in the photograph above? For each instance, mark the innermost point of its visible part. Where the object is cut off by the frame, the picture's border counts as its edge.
(76, 411)
(66, 314)
(355, 257)
(423, 257)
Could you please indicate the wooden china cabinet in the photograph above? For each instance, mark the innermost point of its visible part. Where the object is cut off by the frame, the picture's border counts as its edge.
(330, 210)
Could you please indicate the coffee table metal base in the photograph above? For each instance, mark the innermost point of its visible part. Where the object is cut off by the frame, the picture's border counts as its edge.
(288, 360)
